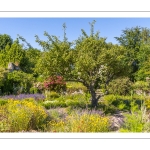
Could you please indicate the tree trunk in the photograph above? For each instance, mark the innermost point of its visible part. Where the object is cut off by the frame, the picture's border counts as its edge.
(94, 99)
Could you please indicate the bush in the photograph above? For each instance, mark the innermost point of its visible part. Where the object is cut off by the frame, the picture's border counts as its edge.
(55, 83)
(24, 115)
(120, 86)
(51, 95)
(37, 88)
(136, 122)
(18, 82)
(141, 87)
(57, 114)
(53, 104)
(112, 103)
(109, 103)
(81, 123)
(3, 75)
(67, 103)
(75, 87)
(75, 104)
(79, 100)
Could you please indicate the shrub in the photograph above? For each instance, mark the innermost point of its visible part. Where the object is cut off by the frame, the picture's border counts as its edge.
(81, 123)
(135, 122)
(120, 86)
(112, 103)
(51, 95)
(24, 115)
(37, 88)
(3, 74)
(57, 114)
(53, 104)
(75, 86)
(18, 82)
(141, 87)
(109, 103)
(55, 83)
(75, 104)
(78, 100)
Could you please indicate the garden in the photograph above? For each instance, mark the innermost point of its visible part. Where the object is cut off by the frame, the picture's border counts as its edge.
(84, 86)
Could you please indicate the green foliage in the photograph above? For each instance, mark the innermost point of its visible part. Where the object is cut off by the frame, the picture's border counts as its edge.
(5, 40)
(51, 95)
(3, 102)
(144, 61)
(56, 58)
(40, 78)
(53, 104)
(75, 86)
(120, 86)
(74, 101)
(135, 39)
(14, 54)
(141, 85)
(136, 122)
(37, 87)
(30, 60)
(34, 90)
(19, 82)
(3, 76)
(66, 103)
(114, 103)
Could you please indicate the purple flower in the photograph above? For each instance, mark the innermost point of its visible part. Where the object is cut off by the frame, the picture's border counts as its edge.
(23, 96)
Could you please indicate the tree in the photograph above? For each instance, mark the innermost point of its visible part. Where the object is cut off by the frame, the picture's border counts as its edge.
(91, 61)
(30, 60)
(16, 53)
(115, 63)
(4, 41)
(132, 39)
(97, 62)
(13, 53)
(56, 59)
(144, 65)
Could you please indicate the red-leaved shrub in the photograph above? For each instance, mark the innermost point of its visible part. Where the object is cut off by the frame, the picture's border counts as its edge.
(55, 83)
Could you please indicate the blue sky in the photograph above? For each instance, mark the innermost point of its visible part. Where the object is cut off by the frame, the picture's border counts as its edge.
(29, 27)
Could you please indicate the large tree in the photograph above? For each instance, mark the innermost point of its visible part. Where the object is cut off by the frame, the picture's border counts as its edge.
(133, 39)
(90, 61)
(97, 62)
